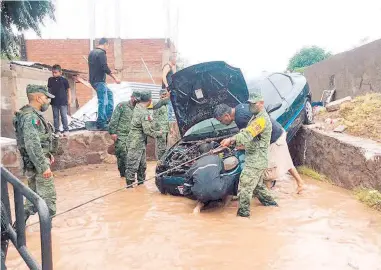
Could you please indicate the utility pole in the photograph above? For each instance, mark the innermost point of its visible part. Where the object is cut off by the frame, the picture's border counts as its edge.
(117, 18)
(92, 23)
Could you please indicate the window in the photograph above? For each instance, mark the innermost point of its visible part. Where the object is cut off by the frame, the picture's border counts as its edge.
(269, 93)
(282, 83)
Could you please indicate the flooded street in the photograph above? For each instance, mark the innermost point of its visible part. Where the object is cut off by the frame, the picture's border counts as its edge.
(324, 228)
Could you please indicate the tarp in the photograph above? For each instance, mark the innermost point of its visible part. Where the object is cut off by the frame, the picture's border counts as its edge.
(122, 92)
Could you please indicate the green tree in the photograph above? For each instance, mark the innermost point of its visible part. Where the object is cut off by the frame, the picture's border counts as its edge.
(18, 16)
(307, 56)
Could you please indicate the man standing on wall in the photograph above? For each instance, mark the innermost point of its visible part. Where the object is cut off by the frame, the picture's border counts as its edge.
(168, 70)
(98, 69)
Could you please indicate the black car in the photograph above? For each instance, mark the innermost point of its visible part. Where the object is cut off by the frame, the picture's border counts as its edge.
(196, 90)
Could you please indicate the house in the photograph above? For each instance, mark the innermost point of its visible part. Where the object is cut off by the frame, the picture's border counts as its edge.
(15, 76)
(132, 60)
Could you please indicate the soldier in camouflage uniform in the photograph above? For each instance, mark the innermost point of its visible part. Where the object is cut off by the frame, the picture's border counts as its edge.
(256, 140)
(36, 143)
(142, 125)
(161, 123)
(119, 127)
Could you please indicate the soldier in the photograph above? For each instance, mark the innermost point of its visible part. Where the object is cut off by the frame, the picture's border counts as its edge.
(36, 143)
(161, 123)
(119, 127)
(142, 125)
(256, 140)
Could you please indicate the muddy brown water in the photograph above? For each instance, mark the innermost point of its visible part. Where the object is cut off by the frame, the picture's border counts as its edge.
(324, 228)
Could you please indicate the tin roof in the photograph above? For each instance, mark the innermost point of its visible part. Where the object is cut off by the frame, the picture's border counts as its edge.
(43, 66)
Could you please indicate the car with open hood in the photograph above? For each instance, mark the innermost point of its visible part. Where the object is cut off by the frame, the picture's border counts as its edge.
(197, 90)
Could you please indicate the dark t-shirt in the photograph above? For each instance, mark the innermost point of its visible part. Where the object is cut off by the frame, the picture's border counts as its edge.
(98, 67)
(169, 76)
(203, 180)
(243, 116)
(58, 86)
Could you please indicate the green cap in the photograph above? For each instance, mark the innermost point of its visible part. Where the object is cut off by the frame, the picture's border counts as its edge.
(35, 88)
(255, 97)
(135, 94)
(145, 96)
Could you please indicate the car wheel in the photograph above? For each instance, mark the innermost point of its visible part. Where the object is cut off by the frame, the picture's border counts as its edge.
(159, 185)
(309, 114)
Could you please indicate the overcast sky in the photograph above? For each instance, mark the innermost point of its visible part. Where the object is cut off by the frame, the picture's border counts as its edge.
(252, 35)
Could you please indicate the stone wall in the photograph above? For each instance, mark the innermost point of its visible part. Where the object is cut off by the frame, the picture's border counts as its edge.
(348, 161)
(353, 72)
(80, 148)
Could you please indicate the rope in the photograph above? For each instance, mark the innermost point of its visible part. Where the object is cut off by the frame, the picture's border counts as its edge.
(123, 188)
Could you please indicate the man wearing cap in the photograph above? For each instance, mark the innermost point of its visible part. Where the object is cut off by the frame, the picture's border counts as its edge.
(256, 140)
(142, 125)
(161, 122)
(279, 155)
(119, 127)
(36, 143)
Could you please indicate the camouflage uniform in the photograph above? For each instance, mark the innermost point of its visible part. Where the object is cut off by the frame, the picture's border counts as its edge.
(120, 125)
(256, 139)
(142, 125)
(36, 143)
(161, 123)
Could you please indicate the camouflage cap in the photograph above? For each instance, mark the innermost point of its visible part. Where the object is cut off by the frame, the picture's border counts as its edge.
(145, 96)
(34, 88)
(163, 91)
(255, 97)
(135, 94)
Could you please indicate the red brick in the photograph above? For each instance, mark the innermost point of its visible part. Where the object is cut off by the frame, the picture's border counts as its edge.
(71, 54)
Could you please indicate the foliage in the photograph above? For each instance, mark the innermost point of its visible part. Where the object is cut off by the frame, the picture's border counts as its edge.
(18, 16)
(370, 197)
(307, 56)
(313, 174)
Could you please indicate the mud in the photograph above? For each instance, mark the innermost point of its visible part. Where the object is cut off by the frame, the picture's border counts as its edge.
(324, 228)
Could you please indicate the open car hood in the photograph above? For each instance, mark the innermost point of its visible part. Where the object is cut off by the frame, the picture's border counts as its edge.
(198, 89)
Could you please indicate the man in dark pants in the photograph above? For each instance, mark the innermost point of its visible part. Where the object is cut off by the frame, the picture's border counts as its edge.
(98, 69)
(59, 87)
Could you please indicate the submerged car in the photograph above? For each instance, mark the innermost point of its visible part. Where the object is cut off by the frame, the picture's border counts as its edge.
(197, 90)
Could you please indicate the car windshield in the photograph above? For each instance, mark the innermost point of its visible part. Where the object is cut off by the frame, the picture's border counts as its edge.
(208, 125)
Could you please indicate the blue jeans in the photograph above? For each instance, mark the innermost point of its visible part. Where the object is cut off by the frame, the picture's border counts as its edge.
(105, 104)
(57, 110)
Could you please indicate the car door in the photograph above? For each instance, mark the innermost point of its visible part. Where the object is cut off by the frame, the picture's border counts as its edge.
(272, 96)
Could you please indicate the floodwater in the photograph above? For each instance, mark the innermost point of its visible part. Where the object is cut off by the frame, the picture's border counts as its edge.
(324, 228)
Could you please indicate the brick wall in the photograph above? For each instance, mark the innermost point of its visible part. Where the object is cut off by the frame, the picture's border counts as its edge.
(71, 54)
(354, 72)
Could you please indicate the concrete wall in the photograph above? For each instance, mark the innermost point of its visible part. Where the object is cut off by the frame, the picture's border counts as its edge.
(347, 160)
(123, 55)
(355, 72)
(14, 79)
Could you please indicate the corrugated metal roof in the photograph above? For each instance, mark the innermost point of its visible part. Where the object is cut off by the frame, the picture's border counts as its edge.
(43, 66)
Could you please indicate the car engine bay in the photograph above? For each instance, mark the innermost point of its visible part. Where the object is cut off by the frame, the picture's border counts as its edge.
(186, 151)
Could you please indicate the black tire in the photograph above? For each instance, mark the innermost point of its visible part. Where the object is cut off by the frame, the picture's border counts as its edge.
(159, 185)
(308, 113)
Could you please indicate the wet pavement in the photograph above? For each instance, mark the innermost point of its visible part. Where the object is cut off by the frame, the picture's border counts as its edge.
(324, 228)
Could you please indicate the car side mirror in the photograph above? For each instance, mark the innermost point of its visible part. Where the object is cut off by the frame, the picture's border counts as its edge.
(272, 108)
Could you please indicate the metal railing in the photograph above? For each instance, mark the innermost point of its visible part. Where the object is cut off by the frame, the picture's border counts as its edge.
(17, 236)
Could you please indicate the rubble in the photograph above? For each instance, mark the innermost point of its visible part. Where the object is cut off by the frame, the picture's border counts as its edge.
(340, 129)
(335, 105)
